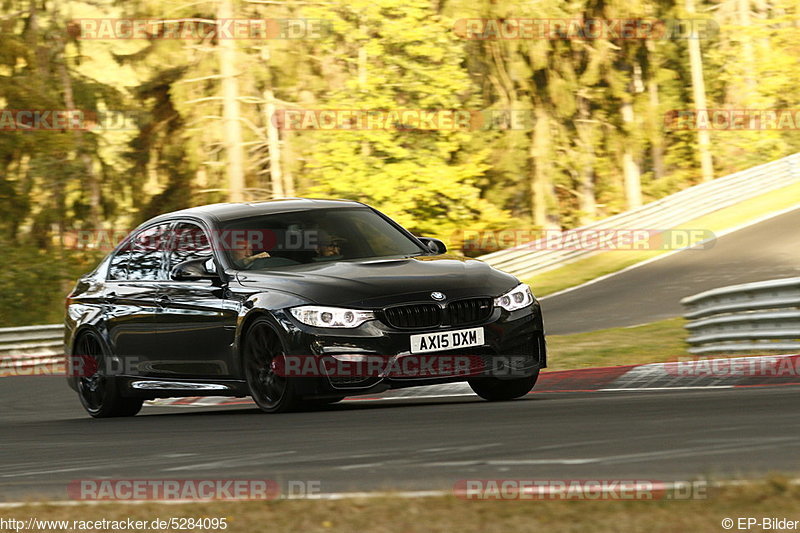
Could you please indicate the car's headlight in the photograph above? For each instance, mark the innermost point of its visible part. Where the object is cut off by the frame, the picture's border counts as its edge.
(331, 317)
(517, 298)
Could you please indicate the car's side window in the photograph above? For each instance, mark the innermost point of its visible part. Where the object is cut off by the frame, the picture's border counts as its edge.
(147, 253)
(189, 242)
(118, 266)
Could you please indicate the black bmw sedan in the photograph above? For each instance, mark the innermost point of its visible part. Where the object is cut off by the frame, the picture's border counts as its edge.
(296, 303)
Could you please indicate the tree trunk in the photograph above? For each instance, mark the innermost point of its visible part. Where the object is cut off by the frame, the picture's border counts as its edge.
(231, 112)
(630, 168)
(274, 145)
(656, 138)
(748, 56)
(366, 149)
(587, 201)
(287, 162)
(699, 91)
(654, 114)
(541, 187)
(91, 183)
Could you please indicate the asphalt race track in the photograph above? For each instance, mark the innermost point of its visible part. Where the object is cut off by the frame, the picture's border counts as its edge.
(768, 250)
(47, 441)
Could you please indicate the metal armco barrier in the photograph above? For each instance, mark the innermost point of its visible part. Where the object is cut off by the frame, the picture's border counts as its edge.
(31, 345)
(669, 212)
(752, 317)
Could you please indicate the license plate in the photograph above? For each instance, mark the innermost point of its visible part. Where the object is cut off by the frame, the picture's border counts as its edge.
(447, 340)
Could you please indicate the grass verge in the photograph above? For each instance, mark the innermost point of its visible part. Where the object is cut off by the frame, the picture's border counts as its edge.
(650, 343)
(774, 498)
(604, 263)
(657, 342)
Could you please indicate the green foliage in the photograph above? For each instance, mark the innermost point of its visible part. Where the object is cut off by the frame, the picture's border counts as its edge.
(427, 180)
(35, 282)
(562, 169)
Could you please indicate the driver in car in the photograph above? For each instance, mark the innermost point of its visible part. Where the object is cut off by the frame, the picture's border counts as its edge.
(242, 254)
(328, 246)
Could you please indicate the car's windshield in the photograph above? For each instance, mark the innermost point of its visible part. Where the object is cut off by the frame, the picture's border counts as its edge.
(303, 237)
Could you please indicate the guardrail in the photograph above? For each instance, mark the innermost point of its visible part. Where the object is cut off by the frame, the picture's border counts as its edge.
(671, 211)
(752, 317)
(31, 345)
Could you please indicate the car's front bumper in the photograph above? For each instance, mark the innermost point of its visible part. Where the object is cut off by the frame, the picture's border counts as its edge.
(514, 346)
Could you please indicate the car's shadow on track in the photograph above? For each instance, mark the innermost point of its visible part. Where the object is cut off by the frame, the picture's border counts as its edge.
(357, 406)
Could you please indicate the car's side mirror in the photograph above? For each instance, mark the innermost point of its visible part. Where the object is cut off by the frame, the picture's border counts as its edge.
(434, 245)
(195, 269)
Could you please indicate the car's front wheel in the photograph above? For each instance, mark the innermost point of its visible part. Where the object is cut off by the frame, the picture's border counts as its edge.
(97, 391)
(498, 390)
(271, 392)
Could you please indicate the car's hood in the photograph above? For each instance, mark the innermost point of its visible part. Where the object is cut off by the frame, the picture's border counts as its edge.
(380, 282)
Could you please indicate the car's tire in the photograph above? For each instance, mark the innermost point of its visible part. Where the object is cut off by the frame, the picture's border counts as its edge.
(271, 393)
(500, 390)
(99, 393)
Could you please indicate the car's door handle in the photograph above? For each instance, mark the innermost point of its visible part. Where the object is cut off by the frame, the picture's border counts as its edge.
(164, 300)
(111, 297)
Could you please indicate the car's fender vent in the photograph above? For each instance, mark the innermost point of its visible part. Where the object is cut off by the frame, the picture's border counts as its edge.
(413, 316)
